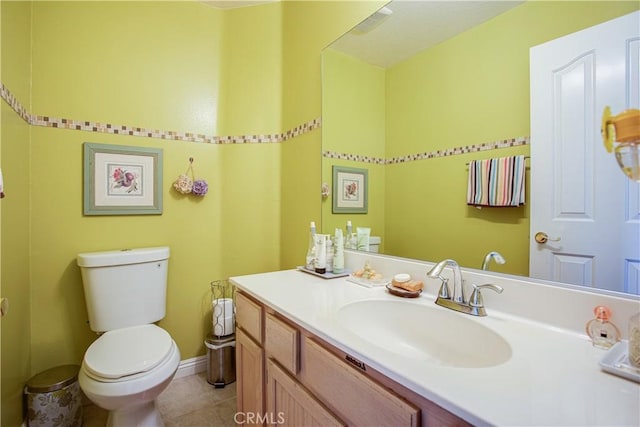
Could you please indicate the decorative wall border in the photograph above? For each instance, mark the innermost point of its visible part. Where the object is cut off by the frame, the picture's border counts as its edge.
(14, 103)
(503, 143)
(61, 123)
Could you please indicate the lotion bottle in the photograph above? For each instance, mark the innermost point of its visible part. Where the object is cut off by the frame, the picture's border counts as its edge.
(321, 253)
(338, 255)
(363, 236)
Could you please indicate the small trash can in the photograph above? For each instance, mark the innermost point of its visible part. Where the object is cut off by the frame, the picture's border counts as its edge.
(221, 359)
(53, 397)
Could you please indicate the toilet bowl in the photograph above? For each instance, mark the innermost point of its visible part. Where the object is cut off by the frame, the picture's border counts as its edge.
(124, 371)
(133, 360)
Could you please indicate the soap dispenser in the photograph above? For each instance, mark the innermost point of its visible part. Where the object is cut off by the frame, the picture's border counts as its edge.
(603, 333)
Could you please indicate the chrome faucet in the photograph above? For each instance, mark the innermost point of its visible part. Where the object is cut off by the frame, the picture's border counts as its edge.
(455, 300)
(458, 290)
(496, 256)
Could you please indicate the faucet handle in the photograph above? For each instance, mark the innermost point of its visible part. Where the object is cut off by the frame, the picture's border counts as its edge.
(444, 288)
(476, 296)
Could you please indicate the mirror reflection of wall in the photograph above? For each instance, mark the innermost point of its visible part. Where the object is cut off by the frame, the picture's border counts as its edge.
(470, 89)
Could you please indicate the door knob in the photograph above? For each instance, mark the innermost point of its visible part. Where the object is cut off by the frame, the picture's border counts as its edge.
(542, 237)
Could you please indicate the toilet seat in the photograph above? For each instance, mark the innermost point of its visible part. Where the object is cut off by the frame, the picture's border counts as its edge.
(123, 353)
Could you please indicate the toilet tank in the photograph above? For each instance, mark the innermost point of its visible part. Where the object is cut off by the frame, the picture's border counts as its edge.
(124, 287)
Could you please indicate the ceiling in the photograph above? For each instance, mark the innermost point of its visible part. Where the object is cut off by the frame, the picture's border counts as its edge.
(414, 26)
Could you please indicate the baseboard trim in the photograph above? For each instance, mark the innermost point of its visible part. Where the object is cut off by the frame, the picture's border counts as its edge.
(192, 366)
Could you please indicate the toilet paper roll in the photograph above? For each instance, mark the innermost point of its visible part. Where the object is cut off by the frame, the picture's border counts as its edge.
(223, 316)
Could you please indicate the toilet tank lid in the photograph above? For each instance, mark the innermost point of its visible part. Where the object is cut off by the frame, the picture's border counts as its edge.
(122, 257)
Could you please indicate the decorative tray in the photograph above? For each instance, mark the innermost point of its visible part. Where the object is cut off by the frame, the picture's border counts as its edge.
(399, 292)
(323, 275)
(369, 283)
(616, 362)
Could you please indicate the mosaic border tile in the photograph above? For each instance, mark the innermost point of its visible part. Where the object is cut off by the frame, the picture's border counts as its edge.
(454, 151)
(87, 126)
(14, 103)
(354, 157)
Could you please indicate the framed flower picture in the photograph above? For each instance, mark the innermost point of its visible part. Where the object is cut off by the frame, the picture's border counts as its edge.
(349, 190)
(122, 180)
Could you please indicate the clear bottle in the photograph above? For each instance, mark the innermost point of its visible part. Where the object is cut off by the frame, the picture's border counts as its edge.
(330, 254)
(311, 249)
(347, 242)
(603, 333)
(634, 340)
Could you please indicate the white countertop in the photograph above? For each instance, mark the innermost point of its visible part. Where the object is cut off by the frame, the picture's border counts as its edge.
(552, 378)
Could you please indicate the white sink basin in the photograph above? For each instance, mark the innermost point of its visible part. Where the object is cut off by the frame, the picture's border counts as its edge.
(425, 332)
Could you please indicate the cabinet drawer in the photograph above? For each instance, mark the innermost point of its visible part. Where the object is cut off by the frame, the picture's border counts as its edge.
(352, 394)
(249, 316)
(281, 342)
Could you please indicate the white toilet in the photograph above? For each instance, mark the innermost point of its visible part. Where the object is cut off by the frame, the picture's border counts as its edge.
(133, 361)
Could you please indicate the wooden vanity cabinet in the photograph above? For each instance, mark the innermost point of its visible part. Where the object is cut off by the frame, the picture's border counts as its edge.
(250, 368)
(293, 377)
(289, 403)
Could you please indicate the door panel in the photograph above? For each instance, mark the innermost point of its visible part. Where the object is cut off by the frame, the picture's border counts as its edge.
(585, 201)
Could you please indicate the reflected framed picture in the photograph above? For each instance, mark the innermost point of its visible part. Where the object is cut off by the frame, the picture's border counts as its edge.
(122, 180)
(349, 190)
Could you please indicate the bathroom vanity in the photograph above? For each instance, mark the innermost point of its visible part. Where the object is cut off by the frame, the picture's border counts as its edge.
(331, 352)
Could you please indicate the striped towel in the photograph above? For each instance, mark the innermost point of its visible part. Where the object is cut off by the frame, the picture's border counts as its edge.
(496, 182)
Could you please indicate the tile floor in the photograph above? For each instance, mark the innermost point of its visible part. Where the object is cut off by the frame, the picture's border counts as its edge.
(188, 401)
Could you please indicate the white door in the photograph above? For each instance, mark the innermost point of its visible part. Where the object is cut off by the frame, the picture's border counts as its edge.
(578, 193)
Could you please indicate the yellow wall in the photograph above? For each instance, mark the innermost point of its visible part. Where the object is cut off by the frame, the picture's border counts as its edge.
(157, 65)
(309, 27)
(15, 152)
(170, 66)
(354, 106)
(252, 71)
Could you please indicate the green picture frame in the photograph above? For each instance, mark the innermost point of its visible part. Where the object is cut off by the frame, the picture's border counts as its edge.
(122, 180)
(350, 189)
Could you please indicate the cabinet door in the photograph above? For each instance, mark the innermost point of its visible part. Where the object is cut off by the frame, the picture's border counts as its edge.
(250, 379)
(289, 404)
(351, 394)
(281, 343)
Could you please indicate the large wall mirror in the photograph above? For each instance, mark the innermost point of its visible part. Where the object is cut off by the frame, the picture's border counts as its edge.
(419, 90)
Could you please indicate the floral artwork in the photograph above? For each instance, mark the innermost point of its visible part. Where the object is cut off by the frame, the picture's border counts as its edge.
(124, 179)
(349, 190)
